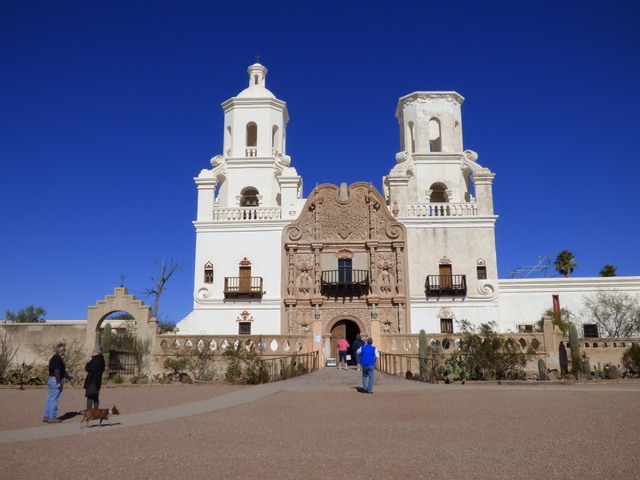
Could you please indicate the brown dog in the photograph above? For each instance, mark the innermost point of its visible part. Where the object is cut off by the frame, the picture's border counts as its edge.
(98, 414)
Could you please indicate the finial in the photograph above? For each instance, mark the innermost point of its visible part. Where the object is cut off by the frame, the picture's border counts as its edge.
(258, 57)
(122, 277)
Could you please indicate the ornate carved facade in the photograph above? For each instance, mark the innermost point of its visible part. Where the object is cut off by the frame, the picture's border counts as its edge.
(345, 258)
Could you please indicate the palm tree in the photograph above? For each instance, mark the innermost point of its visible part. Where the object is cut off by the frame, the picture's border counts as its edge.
(565, 263)
(608, 271)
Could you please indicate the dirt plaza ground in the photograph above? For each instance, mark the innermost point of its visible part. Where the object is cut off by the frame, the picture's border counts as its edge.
(320, 427)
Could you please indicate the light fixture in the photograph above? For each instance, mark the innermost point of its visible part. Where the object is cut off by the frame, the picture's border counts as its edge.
(374, 314)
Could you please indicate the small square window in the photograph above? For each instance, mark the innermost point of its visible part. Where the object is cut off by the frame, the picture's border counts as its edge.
(244, 328)
(590, 330)
(446, 325)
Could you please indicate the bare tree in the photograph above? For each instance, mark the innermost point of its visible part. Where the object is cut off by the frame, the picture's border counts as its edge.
(617, 314)
(165, 270)
(10, 341)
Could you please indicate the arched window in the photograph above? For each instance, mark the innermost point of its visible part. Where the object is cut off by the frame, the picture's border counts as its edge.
(275, 139)
(435, 138)
(412, 140)
(252, 140)
(249, 197)
(439, 193)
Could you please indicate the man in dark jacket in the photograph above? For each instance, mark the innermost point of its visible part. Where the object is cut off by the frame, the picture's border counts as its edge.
(93, 382)
(55, 384)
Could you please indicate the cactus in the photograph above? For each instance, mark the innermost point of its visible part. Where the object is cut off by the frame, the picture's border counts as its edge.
(423, 348)
(542, 370)
(612, 372)
(106, 345)
(576, 361)
(586, 368)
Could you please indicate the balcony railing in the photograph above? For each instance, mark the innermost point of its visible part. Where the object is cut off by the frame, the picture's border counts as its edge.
(241, 287)
(437, 285)
(345, 283)
(242, 214)
(442, 210)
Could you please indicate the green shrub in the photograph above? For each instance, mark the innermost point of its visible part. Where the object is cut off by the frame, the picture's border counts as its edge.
(631, 359)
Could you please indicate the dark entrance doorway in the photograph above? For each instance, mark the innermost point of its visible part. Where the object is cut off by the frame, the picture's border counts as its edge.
(347, 329)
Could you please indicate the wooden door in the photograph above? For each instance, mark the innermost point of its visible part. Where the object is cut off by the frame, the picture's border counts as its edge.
(445, 276)
(337, 332)
(245, 279)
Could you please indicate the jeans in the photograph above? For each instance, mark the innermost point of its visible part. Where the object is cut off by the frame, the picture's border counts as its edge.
(358, 359)
(53, 397)
(367, 377)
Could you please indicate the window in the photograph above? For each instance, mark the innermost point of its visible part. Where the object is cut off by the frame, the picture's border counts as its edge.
(435, 139)
(249, 197)
(252, 135)
(244, 328)
(344, 270)
(208, 272)
(482, 272)
(590, 330)
(446, 325)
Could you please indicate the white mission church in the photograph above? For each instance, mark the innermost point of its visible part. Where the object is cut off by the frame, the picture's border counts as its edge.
(420, 254)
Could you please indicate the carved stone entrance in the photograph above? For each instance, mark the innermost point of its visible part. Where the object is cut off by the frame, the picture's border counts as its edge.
(343, 328)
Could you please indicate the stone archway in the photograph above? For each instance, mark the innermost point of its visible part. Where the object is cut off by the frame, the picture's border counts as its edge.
(346, 327)
(146, 327)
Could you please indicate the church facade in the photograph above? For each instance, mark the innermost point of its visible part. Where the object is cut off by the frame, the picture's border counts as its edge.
(420, 254)
(350, 259)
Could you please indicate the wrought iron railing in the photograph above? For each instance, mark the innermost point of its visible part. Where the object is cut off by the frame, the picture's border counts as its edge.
(345, 283)
(437, 285)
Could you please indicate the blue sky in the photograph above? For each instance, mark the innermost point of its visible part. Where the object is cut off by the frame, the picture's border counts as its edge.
(110, 108)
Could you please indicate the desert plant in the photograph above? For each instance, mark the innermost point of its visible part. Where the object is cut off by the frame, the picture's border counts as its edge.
(10, 341)
(612, 372)
(118, 378)
(106, 347)
(423, 348)
(176, 365)
(199, 360)
(489, 355)
(631, 359)
(244, 365)
(576, 361)
(542, 370)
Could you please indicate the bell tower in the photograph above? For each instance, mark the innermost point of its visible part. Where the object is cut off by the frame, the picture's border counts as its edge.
(445, 200)
(244, 202)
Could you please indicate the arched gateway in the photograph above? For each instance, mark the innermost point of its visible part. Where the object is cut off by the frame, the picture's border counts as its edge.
(341, 327)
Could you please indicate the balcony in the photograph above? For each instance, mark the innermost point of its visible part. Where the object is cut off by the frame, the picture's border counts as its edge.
(235, 287)
(451, 285)
(246, 214)
(344, 283)
(442, 210)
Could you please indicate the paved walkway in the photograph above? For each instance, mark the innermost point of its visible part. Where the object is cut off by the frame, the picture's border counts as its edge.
(324, 379)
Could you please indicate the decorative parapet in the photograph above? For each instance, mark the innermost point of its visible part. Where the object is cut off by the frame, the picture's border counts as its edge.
(241, 214)
(442, 210)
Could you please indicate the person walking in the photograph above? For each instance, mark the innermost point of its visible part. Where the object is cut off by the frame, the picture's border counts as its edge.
(357, 343)
(93, 382)
(343, 345)
(369, 354)
(55, 384)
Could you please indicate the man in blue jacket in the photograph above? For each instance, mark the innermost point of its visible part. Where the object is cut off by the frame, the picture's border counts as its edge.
(369, 354)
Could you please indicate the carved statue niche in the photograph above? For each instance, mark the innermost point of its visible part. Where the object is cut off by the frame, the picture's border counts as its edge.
(386, 273)
(304, 275)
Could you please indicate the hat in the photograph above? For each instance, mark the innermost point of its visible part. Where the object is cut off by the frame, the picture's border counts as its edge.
(97, 349)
